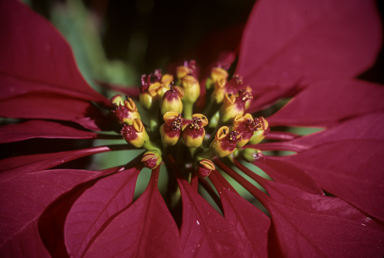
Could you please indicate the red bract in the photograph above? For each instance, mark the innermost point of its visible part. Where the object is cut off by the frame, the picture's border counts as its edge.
(326, 200)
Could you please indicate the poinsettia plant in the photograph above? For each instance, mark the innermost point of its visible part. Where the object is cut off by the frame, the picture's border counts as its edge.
(325, 199)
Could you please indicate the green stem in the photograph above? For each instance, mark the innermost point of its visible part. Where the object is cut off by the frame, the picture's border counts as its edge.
(208, 154)
(192, 151)
(153, 123)
(151, 146)
(211, 109)
(188, 110)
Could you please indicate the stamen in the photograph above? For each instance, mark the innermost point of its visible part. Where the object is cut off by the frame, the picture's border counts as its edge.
(192, 66)
(222, 65)
(238, 79)
(244, 95)
(196, 123)
(254, 125)
(176, 124)
(146, 80)
(157, 74)
(170, 86)
(234, 137)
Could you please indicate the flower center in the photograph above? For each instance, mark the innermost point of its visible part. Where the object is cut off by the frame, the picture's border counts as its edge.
(203, 140)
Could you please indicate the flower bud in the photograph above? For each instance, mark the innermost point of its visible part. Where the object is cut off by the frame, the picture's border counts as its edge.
(217, 73)
(193, 134)
(172, 100)
(151, 91)
(191, 89)
(166, 81)
(246, 126)
(151, 159)
(262, 128)
(170, 131)
(224, 142)
(231, 107)
(135, 134)
(125, 111)
(252, 155)
(204, 168)
(117, 100)
(218, 93)
(187, 68)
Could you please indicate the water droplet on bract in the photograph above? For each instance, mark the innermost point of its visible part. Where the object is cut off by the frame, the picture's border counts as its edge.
(197, 222)
(363, 224)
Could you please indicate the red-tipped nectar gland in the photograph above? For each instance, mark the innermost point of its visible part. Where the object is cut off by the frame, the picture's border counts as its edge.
(231, 107)
(128, 133)
(126, 111)
(204, 168)
(151, 159)
(193, 134)
(225, 142)
(234, 105)
(135, 134)
(191, 88)
(171, 100)
(246, 126)
(171, 130)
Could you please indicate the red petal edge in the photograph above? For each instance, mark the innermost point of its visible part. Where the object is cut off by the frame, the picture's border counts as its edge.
(35, 57)
(144, 229)
(23, 199)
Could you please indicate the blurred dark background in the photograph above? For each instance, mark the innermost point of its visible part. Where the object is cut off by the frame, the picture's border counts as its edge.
(147, 34)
